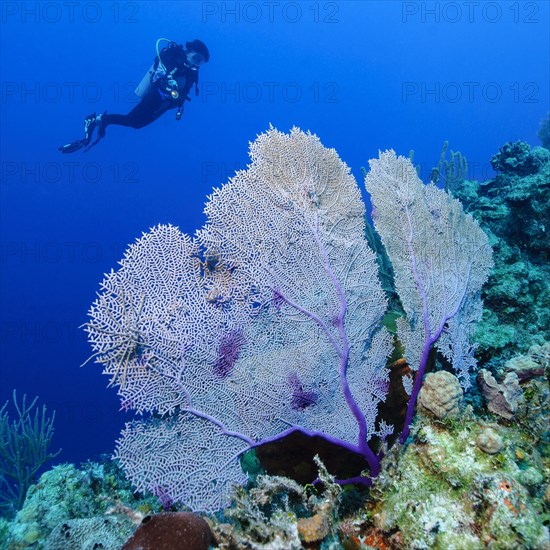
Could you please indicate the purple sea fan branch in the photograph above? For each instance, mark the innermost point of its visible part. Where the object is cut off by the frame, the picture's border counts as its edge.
(299, 247)
(341, 349)
(344, 359)
(278, 299)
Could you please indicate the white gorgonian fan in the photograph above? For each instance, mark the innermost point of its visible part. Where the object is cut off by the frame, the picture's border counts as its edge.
(441, 259)
(265, 323)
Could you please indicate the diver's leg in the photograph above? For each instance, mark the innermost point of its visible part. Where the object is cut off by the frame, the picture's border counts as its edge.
(151, 107)
(145, 112)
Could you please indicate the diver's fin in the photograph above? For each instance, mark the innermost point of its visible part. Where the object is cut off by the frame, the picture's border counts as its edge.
(72, 147)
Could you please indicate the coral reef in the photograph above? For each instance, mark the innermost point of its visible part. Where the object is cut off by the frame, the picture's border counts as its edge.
(513, 210)
(276, 513)
(262, 516)
(471, 476)
(63, 497)
(466, 483)
(105, 532)
(471, 480)
(519, 159)
(544, 131)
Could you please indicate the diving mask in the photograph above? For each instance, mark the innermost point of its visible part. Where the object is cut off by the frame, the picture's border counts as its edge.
(195, 58)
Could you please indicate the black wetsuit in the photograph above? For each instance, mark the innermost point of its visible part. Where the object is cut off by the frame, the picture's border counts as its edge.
(157, 101)
(154, 103)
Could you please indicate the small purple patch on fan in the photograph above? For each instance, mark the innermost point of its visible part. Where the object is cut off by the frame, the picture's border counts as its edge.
(301, 399)
(164, 498)
(382, 386)
(228, 352)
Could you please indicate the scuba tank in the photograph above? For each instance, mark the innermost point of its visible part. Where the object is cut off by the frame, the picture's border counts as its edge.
(145, 84)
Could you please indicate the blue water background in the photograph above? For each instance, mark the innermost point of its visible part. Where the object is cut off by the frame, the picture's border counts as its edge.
(361, 75)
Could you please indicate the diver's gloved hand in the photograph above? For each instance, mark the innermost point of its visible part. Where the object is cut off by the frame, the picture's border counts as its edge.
(159, 74)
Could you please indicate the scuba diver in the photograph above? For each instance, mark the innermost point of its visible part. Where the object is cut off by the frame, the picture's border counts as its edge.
(165, 86)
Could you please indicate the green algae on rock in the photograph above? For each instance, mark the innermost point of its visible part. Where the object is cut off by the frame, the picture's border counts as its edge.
(447, 493)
